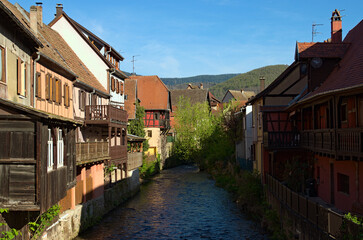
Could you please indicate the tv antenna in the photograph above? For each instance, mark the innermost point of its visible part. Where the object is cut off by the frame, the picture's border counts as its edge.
(314, 31)
(133, 63)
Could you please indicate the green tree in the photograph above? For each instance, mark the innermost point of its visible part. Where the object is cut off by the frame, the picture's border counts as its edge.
(136, 126)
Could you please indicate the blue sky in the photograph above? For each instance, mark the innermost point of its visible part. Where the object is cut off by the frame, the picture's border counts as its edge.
(180, 38)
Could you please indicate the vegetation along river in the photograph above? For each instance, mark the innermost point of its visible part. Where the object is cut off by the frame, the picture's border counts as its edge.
(180, 203)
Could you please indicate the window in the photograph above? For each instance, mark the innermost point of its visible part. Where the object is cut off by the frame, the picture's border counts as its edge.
(156, 116)
(149, 133)
(343, 183)
(121, 88)
(58, 91)
(48, 87)
(21, 77)
(125, 96)
(60, 149)
(343, 112)
(50, 150)
(113, 84)
(38, 86)
(82, 99)
(66, 95)
(117, 86)
(2, 64)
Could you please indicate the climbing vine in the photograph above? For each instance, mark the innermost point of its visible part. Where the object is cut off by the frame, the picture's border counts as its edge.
(43, 220)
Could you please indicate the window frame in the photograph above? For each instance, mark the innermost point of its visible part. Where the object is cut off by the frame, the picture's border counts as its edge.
(50, 157)
(60, 148)
(343, 183)
(38, 85)
(2, 65)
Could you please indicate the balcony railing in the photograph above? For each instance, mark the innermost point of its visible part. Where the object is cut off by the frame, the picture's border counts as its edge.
(279, 140)
(350, 142)
(91, 151)
(341, 142)
(118, 154)
(134, 160)
(101, 114)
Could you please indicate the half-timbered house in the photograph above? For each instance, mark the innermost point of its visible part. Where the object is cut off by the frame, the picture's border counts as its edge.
(37, 154)
(104, 63)
(330, 120)
(154, 96)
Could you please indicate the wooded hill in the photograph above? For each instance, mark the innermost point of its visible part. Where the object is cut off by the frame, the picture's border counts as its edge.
(207, 80)
(248, 81)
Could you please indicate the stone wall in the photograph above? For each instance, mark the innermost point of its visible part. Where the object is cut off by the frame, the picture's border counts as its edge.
(74, 221)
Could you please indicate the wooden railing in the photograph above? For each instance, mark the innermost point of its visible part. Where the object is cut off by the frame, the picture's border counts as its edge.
(105, 113)
(278, 140)
(350, 142)
(322, 217)
(342, 142)
(134, 160)
(118, 152)
(91, 151)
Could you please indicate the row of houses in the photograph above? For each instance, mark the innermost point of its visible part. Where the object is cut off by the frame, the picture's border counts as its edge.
(304, 132)
(63, 120)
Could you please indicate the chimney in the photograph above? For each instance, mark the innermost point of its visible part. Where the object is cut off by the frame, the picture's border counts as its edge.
(59, 8)
(262, 83)
(336, 27)
(201, 86)
(33, 19)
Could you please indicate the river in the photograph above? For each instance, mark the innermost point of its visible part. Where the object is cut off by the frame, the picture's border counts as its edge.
(180, 203)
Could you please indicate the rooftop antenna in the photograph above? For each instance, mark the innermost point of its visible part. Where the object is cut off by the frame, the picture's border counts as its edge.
(133, 64)
(314, 31)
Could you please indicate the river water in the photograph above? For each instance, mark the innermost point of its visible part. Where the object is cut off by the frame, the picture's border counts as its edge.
(180, 203)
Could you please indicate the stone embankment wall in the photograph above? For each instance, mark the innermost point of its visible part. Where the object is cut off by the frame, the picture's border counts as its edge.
(74, 221)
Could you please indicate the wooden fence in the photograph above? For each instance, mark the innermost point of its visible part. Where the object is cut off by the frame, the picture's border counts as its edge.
(325, 219)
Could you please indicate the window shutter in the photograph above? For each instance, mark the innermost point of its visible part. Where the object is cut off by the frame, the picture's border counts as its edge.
(38, 85)
(47, 87)
(121, 88)
(60, 92)
(54, 88)
(117, 86)
(19, 75)
(25, 79)
(113, 84)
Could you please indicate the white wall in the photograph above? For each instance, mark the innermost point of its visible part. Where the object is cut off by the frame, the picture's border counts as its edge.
(248, 132)
(87, 55)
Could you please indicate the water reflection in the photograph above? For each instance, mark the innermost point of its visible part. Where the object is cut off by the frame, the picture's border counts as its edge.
(180, 203)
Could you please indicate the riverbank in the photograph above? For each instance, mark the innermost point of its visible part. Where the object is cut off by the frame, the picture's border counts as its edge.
(248, 193)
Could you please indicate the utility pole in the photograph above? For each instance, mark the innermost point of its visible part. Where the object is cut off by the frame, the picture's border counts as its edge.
(313, 30)
(133, 64)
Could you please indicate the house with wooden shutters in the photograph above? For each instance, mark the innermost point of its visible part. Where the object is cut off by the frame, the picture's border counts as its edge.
(154, 96)
(37, 129)
(104, 63)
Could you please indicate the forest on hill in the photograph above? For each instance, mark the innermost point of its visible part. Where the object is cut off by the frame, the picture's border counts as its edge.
(248, 81)
(207, 80)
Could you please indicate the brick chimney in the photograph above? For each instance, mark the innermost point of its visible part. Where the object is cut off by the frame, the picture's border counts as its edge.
(336, 27)
(262, 83)
(201, 86)
(36, 17)
(59, 9)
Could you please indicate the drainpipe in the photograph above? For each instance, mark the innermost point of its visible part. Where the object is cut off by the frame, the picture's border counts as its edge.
(108, 52)
(35, 76)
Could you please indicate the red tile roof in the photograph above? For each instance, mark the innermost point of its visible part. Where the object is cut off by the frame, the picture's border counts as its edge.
(58, 50)
(152, 92)
(320, 49)
(130, 102)
(349, 72)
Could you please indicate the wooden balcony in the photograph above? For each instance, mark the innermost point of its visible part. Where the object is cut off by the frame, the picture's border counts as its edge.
(105, 114)
(281, 140)
(118, 154)
(134, 160)
(87, 152)
(343, 143)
